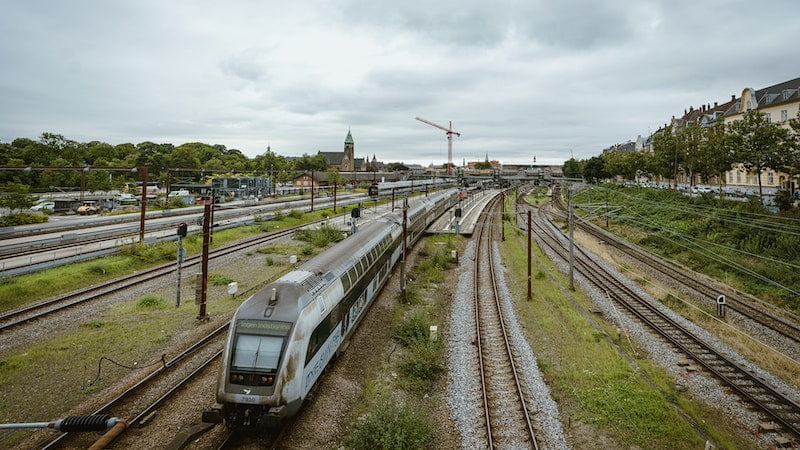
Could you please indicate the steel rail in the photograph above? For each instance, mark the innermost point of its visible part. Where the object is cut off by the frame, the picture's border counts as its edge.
(748, 385)
(485, 240)
(194, 348)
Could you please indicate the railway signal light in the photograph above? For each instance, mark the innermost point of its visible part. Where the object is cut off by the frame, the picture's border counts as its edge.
(183, 228)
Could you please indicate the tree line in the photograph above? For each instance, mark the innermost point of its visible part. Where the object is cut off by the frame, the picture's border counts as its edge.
(201, 160)
(753, 143)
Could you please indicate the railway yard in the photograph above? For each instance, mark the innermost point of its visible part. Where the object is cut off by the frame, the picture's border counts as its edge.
(605, 365)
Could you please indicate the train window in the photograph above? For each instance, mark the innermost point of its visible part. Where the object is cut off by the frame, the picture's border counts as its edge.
(353, 275)
(345, 282)
(257, 352)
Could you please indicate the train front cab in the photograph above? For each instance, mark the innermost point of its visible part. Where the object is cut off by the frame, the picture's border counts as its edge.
(256, 352)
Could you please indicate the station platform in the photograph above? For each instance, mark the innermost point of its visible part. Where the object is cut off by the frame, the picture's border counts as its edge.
(471, 209)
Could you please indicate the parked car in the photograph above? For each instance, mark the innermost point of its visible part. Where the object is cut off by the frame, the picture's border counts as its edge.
(88, 208)
(40, 207)
(126, 199)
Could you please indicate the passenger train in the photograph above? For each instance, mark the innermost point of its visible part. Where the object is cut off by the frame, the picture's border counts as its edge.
(283, 336)
(386, 188)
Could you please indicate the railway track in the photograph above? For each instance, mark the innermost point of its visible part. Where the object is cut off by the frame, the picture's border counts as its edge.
(777, 321)
(781, 409)
(39, 310)
(71, 243)
(508, 423)
(138, 402)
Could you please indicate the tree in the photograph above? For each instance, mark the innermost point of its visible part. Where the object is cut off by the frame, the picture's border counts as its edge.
(666, 155)
(792, 163)
(308, 162)
(689, 139)
(715, 157)
(15, 196)
(334, 177)
(623, 163)
(392, 166)
(595, 170)
(758, 144)
(572, 169)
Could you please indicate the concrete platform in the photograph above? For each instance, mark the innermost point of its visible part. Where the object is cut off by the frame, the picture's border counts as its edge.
(471, 209)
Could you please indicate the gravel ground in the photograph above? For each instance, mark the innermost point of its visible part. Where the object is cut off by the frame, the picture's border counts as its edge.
(700, 384)
(464, 391)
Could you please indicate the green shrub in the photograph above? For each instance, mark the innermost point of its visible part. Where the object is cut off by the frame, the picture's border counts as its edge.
(413, 329)
(392, 425)
(412, 297)
(217, 279)
(269, 261)
(307, 250)
(319, 237)
(420, 366)
(161, 251)
(14, 220)
(295, 214)
(151, 301)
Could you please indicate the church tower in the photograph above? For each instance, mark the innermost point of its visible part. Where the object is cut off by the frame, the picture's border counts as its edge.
(349, 153)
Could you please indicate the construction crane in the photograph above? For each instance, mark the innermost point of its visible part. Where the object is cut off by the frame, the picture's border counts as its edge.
(450, 134)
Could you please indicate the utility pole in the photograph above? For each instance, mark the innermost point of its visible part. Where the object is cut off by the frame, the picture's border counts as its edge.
(529, 256)
(571, 243)
(203, 284)
(312, 190)
(144, 203)
(334, 198)
(503, 215)
(405, 249)
(182, 231)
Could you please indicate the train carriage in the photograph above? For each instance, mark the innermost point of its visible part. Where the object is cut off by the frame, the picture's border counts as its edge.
(283, 336)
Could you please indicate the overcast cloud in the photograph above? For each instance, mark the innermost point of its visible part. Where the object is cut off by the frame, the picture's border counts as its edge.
(518, 79)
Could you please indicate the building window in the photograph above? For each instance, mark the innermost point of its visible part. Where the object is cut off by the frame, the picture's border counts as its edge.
(730, 177)
(769, 117)
(739, 177)
(747, 178)
(770, 178)
(784, 115)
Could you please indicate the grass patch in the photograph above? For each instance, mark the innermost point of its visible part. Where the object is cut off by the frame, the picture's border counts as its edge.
(218, 279)
(593, 380)
(319, 237)
(151, 302)
(420, 366)
(20, 290)
(278, 249)
(413, 329)
(391, 424)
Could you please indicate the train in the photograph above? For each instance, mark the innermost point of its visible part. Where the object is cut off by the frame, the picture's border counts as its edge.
(386, 188)
(283, 336)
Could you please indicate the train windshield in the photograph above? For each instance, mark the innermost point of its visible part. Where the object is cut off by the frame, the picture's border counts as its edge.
(257, 352)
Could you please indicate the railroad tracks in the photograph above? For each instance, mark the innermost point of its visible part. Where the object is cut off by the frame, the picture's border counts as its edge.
(140, 401)
(39, 310)
(781, 409)
(777, 321)
(508, 421)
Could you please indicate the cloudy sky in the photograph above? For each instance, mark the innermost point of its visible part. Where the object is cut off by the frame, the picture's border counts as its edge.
(518, 79)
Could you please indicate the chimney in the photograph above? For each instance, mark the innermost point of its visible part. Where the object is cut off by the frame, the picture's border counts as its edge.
(715, 104)
(691, 108)
(704, 108)
(733, 97)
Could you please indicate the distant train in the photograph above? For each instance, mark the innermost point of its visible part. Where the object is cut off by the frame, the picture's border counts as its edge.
(283, 336)
(404, 187)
